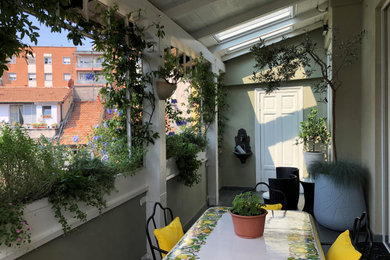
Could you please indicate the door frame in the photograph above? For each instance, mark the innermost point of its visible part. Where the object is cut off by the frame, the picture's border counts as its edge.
(259, 91)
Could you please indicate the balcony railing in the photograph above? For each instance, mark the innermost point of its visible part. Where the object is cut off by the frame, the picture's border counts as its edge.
(91, 82)
(88, 65)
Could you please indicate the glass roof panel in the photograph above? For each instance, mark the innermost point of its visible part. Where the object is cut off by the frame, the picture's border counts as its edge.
(256, 23)
(262, 36)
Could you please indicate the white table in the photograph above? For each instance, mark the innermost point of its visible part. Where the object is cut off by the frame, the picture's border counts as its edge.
(287, 235)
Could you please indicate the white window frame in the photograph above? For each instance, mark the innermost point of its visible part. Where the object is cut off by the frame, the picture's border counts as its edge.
(46, 108)
(12, 78)
(32, 78)
(31, 60)
(70, 76)
(47, 60)
(47, 75)
(65, 60)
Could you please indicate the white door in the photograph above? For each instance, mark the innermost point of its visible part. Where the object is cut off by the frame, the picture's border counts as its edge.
(277, 124)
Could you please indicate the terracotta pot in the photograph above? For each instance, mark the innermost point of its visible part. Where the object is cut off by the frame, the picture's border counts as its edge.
(249, 226)
(164, 89)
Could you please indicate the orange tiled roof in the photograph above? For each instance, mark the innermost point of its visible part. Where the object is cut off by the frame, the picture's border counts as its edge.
(12, 94)
(85, 115)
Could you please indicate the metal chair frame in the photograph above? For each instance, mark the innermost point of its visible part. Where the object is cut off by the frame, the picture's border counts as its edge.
(362, 223)
(151, 219)
(273, 190)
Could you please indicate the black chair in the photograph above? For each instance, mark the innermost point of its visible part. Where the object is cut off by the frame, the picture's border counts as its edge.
(167, 215)
(277, 195)
(288, 187)
(284, 172)
(287, 172)
(362, 240)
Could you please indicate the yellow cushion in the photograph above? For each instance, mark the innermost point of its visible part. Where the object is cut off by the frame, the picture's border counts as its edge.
(343, 249)
(169, 235)
(273, 206)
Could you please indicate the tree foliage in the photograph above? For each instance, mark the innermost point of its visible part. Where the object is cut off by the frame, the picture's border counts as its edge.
(278, 63)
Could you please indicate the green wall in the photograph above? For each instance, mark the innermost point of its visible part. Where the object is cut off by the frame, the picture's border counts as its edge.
(187, 202)
(116, 234)
(240, 114)
(371, 142)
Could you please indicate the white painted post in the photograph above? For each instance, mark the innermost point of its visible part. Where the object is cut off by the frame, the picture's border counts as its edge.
(212, 157)
(155, 159)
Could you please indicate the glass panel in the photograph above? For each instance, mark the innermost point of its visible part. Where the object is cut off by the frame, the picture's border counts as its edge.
(66, 76)
(46, 111)
(257, 23)
(48, 77)
(16, 114)
(32, 77)
(66, 60)
(29, 114)
(11, 76)
(47, 60)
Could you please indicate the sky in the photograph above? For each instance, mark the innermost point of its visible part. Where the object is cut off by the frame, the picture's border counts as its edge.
(47, 38)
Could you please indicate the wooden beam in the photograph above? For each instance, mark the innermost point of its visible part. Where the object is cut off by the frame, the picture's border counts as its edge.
(297, 32)
(243, 17)
(174, 34)
(182, 9)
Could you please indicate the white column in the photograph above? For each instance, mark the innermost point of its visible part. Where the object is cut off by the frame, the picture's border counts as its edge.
(212, 157)
(155, 159)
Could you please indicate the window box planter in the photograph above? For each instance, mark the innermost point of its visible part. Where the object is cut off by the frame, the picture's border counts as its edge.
(45, 226)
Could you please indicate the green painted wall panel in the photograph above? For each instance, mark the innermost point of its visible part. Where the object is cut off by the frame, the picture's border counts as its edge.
(117, 234)
(187, 202)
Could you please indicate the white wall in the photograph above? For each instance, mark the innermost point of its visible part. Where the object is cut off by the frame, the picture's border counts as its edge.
(54, 114)
(4, 112)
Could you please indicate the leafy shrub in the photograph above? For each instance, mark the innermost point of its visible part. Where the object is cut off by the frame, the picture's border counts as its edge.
(87, 179)
(27, 173)
(184, 148)
(313, 131)
(247, 204)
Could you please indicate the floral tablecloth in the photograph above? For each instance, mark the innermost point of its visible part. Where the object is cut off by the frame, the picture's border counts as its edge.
(289, 232)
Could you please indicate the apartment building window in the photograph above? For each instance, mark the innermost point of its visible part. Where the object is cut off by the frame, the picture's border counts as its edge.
(32, 76)
(67, 76)
(47, 60)
(12, 60)
(48, 77)
(16, 114)
(46, 111)
(66, 60)
(30, 59)
(29, 114)
(11, 76)
(22, 114)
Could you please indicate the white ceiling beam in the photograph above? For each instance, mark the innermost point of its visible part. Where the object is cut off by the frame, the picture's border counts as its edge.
(243, 17)
(180, 10)
(298, 19)
(275, 40)
(176, 35)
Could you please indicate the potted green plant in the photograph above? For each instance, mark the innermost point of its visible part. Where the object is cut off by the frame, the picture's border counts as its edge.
(248, 215)
(168, 76)
(315, 137)
(338, 193)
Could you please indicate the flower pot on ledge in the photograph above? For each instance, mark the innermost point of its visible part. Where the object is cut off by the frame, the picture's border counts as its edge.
(164, 89)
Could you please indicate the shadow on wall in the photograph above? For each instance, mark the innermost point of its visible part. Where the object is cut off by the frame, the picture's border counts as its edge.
(242, 114)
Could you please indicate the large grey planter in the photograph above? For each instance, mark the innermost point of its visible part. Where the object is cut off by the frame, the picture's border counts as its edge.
(336, 207)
